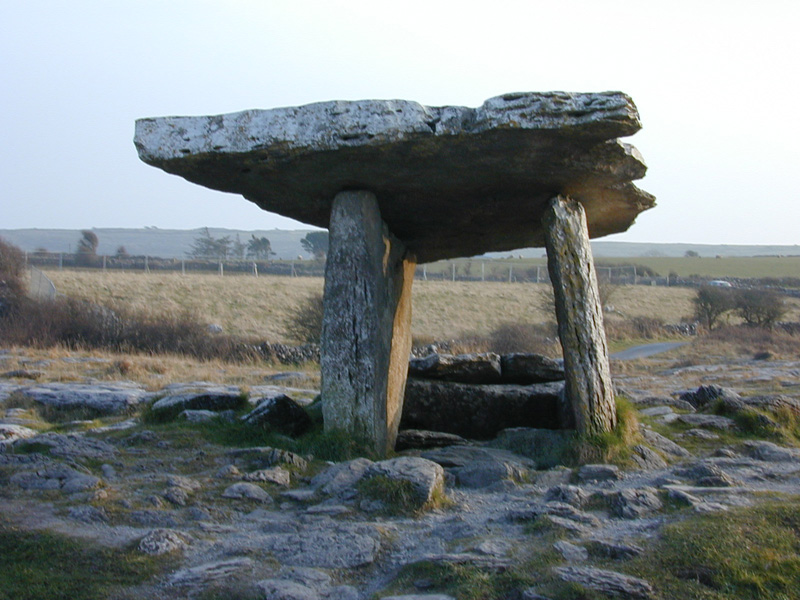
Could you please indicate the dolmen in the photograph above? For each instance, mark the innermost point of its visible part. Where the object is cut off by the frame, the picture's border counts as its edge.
(398, 183)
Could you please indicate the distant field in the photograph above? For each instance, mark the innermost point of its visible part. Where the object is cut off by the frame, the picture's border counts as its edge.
(734, 267)
(262, 306)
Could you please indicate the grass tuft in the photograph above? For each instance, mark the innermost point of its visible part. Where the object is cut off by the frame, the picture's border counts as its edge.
(47, 566)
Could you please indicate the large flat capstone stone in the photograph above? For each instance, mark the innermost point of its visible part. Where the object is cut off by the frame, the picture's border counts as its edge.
(450, 181)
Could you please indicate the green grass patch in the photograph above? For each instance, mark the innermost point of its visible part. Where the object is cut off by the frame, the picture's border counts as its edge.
(46, 566)
(614, 447)
(750, 553)
(464, 582)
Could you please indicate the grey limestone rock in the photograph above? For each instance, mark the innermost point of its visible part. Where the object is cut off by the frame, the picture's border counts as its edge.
(646, 458)
(341, 477)
(345, 546)
(10, 433)
(480, 467)
(173, 405)
(708, 394)
(103, 398)
(480, 411)
(571, 552)
(162, 541)
(204, 574)
(526, 368)
(275, 475)
(547, 448)
(607, 582)
(265, 456)
(615, 550)
(246, 491)
(56, 477)
(588, 473)
(708, 421)
(635, 503)
(88, 514)
(69, 445)
(662, 444)
(769, 452)
(281, 414)
(426, 476)
(423, 440)
(427, 165)
(568, 494)
(462, 368)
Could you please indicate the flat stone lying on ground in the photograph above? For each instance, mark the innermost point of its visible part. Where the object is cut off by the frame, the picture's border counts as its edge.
(103, 398)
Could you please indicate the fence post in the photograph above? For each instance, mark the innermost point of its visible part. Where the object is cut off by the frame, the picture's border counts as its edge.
(510, 273)
(183, 267)
(453, 265)
(634, 274)
(255, 269)
(104, 262)
(60, 261)
(221, 273)
(483, 271)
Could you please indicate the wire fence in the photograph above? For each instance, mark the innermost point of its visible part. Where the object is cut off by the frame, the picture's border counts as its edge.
(453, 270)
(40, 285)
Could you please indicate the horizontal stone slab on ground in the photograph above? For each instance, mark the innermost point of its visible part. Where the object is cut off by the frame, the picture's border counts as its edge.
(480, 411)
(486, 172)
(103, 398)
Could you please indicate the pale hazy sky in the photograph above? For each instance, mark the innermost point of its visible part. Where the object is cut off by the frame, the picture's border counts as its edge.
(716, 84)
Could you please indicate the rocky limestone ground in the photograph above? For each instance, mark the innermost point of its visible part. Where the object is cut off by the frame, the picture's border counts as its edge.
(261, 522)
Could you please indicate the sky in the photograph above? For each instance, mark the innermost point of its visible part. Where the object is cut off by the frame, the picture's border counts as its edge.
(716, 84)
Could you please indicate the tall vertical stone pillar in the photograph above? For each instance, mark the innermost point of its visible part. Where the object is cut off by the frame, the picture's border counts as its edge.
(588, 388)
(366, 329)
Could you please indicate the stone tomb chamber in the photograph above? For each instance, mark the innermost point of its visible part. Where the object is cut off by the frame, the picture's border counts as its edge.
(398, 183)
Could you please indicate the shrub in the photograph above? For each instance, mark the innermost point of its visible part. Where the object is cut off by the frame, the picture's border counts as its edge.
(306, 323)
(711, 303)
(12, 276)
(759, 308)
(523, 337)
(79, 324)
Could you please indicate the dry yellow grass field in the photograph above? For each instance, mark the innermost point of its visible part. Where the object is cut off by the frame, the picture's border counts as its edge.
(262, 306)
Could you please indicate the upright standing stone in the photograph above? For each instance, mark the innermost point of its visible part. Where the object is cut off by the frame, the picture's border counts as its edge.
(366, 329)
(580, 317)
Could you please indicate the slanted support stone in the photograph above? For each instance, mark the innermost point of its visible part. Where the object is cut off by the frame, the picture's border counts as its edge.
(366, 328)
(588, 388)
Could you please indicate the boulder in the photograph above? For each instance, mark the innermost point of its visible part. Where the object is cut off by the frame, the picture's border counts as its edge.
(171, 406)
(246, 491)
(426, 476)
(526, 368)
(635, 503)
(10, 433)
(480, 411)
(462, 368)
(67, 446)
(341, 477)
(162, 541)
(275, 475)
(546, 447)
(708, 421)
(281, 414)
(708, 394)
(609, 583)
(56, 477)
(592, 473)
(480, 467)
(423, 440)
